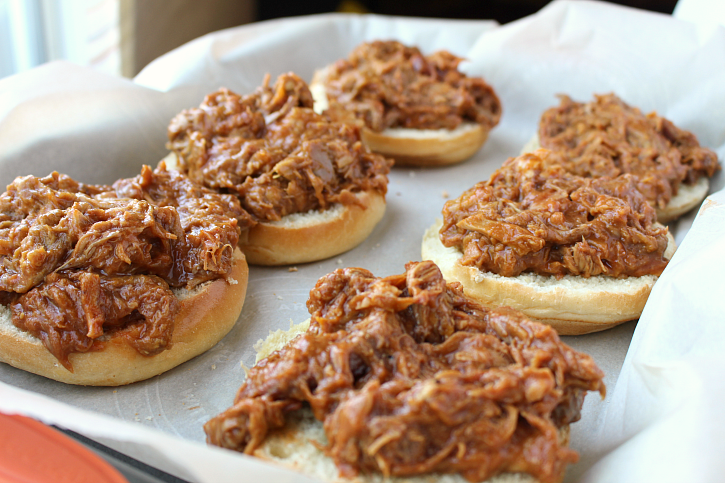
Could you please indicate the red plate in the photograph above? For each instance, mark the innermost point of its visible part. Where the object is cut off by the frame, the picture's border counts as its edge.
(31, 452)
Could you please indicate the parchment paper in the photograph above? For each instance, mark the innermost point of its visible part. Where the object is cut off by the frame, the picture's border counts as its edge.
(97, 128)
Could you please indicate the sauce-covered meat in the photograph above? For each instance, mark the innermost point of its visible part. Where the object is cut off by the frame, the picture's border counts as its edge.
(387, 84)
(534, 216)
(210, 221)
(70, 311)
(77, 260)
(410, 376)
(274, 151)
(607, 137)
(46, 227)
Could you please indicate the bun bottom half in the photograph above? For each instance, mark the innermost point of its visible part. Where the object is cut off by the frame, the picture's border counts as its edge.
(572, 305)
(294, 445)
(687, 197)
(315, 235)
(208, 312)
(427, 147)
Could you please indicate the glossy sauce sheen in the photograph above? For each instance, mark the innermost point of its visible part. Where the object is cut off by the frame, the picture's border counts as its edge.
(80, 261)
(534, 216)
(410, 376)
(387, 84)
(274, 152)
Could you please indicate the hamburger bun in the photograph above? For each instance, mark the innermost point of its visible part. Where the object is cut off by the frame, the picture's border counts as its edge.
(413, 147)
(315, 235)
(687, 197)
(572, 305)
(294, 446)
(310, 236)
(208, 312)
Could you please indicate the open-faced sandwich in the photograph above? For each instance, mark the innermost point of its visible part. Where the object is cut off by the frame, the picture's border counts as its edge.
(607, 137)
(405, 376)
(581, 254)
(311, 188)
(107, 285)
(419, 110)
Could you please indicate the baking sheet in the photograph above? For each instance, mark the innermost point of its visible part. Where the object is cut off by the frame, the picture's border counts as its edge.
(97, 128)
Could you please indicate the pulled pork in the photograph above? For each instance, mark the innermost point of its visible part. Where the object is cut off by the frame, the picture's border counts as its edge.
(534, 216)
(273, 151)
(607, 137)
(385, 84)
(77, 260)
(410, 376)
(210, 222)
(70, 312)
(49, 224)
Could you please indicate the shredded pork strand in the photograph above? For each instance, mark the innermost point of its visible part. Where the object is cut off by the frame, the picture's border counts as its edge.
(409, 376)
